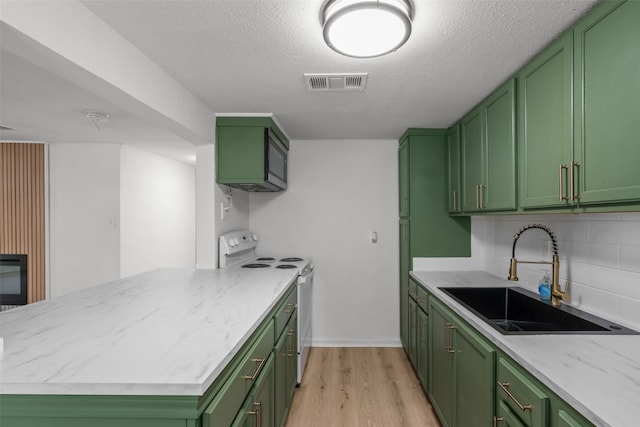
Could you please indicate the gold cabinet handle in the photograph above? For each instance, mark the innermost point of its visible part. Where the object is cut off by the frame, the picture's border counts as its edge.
(260, 363)
(257, 413)
(290, 309)
(505, 388)
(561, 192)
(481, 196)
(496, 420)
(477, 197)
(455, 200)
(574, 196)
(448, 327)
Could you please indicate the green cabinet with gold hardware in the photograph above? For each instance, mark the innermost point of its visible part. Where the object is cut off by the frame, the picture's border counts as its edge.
(285, 369)
(488, 146)
(578, 106)
(425, 227)
(545, 120)
(522, 400)
(461, 370)
(418, 323)
(257, 409)
(455, 187)
(607, 104)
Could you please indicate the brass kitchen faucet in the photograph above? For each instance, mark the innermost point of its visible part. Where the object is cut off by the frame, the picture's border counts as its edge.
(557, 295)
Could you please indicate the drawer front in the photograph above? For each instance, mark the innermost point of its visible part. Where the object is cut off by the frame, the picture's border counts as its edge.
(519, 391)
(422, 298)
(284, 311)
(226, 404)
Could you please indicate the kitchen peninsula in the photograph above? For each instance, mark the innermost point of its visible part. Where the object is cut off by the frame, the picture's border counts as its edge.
(147, 348)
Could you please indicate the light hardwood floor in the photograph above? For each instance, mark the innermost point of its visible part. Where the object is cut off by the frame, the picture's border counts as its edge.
(353, 387)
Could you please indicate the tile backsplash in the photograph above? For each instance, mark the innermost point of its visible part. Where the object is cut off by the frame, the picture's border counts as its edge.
(599, 258)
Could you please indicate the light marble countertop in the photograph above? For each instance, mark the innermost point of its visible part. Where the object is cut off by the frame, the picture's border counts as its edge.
(599, 375)
(164, 332)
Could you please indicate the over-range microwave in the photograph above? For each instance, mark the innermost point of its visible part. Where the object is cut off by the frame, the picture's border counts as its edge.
(275, 162)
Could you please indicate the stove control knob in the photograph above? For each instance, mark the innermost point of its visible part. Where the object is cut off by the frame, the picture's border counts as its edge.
(254, 237)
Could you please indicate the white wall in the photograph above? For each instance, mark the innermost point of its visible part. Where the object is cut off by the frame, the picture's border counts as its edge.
(84, 211)
(157, 211)
(599, 256)
(340, 191)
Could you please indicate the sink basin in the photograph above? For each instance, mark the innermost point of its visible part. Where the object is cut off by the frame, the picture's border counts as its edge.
(517, 311)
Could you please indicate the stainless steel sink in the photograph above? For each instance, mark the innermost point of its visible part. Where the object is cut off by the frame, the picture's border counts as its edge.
(517, 311)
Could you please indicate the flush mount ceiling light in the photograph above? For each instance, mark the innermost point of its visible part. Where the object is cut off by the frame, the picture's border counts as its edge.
(366, 28)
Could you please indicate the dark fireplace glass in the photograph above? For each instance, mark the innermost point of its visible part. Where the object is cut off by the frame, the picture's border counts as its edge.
(13, 279)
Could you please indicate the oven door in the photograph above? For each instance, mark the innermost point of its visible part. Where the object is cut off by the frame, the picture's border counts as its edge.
(305, 304)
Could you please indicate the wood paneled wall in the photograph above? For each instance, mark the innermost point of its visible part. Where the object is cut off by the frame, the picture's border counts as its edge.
(22, 210)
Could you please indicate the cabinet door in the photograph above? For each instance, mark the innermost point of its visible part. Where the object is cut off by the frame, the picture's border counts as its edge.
(566, 419)
(472, 160)
(257, 410)
(506, 418)
(474, 374)
(545, 125)
(499, 183)
(455, 198)
(405, 267)
(413, 332)
(422, 344)
(403, 177)
(263, 396)
(281, 354)
(292, 355)
(440, 364)
(607, 102)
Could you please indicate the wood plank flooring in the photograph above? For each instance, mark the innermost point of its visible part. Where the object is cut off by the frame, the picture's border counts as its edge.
(353, 387)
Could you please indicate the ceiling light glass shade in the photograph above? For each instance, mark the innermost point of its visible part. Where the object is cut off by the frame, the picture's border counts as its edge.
(366, 28)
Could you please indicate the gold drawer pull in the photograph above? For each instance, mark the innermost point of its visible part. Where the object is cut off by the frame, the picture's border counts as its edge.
(257, 413)
(496, 420)
(260, 363)
(291, 308)
(505, 388)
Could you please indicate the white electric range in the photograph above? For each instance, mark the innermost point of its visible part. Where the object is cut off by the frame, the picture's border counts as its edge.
(237, 249)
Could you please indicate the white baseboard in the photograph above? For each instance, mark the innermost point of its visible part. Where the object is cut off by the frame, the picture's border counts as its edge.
(347, 342)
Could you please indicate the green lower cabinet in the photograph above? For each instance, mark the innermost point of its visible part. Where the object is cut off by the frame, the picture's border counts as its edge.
(520, 391)
(257, 410)
(461, 371)
(412, 348)
(506, 418)
(405, 267)
(422, 335)
(569, 418)
(285, 371)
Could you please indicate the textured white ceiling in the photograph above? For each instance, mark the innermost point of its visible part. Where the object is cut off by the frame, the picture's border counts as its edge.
(248, 56)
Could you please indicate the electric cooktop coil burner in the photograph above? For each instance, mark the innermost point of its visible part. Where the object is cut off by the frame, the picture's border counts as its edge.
(255, 265)
(292, 259)
(286, 266)
(266, 259)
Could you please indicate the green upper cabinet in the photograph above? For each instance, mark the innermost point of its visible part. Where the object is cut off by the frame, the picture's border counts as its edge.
(403, 178)
(455, 195)
(607, 104)
(251, 153)
(545, 121)
(488, 145)
(472, 160)
(432, 232)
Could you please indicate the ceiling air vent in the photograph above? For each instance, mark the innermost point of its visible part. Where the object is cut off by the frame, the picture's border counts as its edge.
(336, 82)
